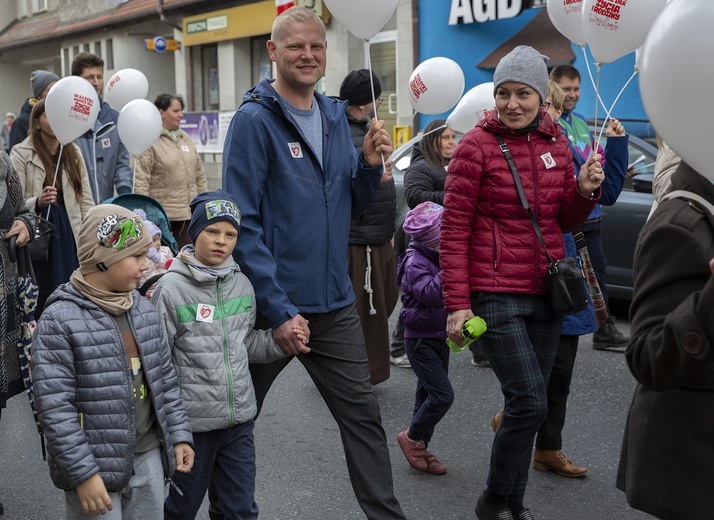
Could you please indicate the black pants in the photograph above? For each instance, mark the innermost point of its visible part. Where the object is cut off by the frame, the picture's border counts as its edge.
(550, 433)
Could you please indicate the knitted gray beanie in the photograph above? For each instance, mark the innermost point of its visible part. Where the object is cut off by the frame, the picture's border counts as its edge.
(525, 65)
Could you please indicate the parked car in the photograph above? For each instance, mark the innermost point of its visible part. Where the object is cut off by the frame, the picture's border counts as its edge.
(622, 222)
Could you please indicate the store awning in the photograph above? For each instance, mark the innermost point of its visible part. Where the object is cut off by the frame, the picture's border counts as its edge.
(541, 34)
(47, 26)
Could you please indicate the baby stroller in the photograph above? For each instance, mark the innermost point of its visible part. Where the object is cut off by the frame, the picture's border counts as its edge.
(155, 213)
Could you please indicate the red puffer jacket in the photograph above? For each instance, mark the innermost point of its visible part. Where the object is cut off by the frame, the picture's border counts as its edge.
(487, 241)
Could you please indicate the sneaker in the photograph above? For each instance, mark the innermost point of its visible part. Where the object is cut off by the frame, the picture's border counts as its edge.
(414, 451)
(523, 514)
(433, 465)
(496, 419)
(479, 360)
(608, 337)
(484, 513)
(401, 361)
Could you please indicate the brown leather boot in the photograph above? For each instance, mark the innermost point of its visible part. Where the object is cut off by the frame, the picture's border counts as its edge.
(557, 462)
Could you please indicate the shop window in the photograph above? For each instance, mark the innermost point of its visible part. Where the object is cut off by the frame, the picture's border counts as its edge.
(209, 65)
(262, 66)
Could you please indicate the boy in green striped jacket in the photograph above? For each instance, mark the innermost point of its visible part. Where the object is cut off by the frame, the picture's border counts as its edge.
(207, 308)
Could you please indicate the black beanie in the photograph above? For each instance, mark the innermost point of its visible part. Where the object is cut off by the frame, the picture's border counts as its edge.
(356, 90)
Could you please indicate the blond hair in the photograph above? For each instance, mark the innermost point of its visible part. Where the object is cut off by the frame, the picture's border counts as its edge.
(296, 14)
(557, 97)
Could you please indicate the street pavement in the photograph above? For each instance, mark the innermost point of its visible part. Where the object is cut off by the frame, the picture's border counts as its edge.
(301, 469)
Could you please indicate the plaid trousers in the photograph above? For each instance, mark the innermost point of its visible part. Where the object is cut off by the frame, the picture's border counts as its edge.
(521, 343)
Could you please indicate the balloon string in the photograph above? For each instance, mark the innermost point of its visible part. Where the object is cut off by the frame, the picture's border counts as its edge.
(401, 135)
(433, 130)
(54, 180)
(592, 81)
(371, 84)
(133, 180)
(617, 98)
(596, 145)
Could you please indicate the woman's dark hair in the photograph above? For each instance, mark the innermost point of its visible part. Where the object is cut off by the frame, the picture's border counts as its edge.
(430, 145)
(71, 161)
(163, 101)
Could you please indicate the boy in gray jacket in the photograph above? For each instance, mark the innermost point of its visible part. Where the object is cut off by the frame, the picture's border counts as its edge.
(105, 388)
(207, 309)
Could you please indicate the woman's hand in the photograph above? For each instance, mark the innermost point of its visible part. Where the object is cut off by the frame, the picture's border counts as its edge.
(47, 197)
(615, 129)
(455, 322)
(18, 228)
(591, 176)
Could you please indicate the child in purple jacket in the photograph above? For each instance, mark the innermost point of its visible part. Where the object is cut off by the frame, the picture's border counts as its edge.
(424, 318)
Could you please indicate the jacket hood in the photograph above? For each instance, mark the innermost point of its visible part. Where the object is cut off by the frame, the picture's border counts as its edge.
(264, 94)
(67, 292)
(492, 123)
(179, 267)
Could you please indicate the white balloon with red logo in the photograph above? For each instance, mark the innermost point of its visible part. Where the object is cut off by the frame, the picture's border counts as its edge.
(71, 107)
(472, 108)
(566, 16)
(673, 61)
(436, 85)
(139, 126)
(613, 30)
(124, 86)
(363, 18)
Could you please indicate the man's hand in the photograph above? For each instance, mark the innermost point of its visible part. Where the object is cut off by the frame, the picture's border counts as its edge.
(20, 229)
(455, 322)
(93, 496)
(377, 144)
(287, 340)
(184, 457)
(591, 176)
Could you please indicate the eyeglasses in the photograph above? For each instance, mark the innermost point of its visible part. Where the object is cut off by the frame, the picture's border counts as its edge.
(547, 104)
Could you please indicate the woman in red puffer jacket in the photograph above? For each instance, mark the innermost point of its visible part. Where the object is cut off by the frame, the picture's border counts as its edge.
(494, 266)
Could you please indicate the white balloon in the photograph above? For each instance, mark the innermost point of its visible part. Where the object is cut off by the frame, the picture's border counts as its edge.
(124, 86)
(436, 85)
(618, 29)
(72, 107)
(363, 18)
(674, 60)
(139, 126)
(472, 108)
(566, 16)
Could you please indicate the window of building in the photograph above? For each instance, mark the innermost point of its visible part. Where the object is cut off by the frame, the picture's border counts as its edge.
(98, 49)
(75, 51)
(39, 5)
(262, 66)
(66, 62)
(85, 48)
(109, 58)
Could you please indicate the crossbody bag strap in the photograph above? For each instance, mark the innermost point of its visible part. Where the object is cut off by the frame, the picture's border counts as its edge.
(522, 195)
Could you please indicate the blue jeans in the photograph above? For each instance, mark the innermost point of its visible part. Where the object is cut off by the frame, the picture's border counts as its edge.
(434, 395)
(226, 458)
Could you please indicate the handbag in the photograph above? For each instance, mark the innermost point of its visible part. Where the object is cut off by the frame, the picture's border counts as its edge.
(39, 246)
(566, 285)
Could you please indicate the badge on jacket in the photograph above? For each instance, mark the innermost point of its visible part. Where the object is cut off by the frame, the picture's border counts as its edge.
(548, 160)
(295, 150)
(185, 148)
(205, 313)
(106, 143)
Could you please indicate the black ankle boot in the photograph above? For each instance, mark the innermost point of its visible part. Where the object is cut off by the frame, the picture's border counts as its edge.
(608, 337)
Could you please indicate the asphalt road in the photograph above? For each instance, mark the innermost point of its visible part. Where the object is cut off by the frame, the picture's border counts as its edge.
(301, 469)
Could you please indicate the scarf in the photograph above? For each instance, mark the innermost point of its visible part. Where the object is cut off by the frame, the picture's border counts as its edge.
(206, 273)
(115, 303)
(173, 134)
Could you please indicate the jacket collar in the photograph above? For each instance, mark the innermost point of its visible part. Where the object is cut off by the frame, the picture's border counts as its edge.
(491, 123)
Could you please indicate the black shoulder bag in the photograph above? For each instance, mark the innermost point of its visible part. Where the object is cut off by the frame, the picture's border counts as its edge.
(565, 278)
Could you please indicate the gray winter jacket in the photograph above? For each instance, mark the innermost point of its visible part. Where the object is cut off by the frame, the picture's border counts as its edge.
(106, 158)
(84, 393)
(210, 330)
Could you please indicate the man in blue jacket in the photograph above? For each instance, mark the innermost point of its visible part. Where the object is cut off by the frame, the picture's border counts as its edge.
(106, 158)
(291, 165)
